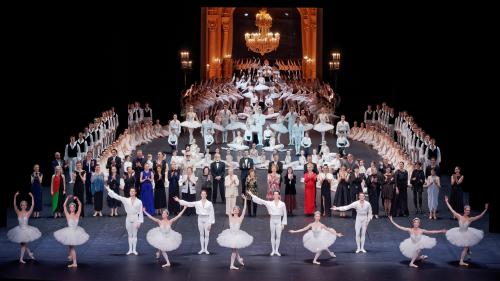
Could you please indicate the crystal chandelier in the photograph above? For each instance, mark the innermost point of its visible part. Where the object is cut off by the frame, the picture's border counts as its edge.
(264, 41)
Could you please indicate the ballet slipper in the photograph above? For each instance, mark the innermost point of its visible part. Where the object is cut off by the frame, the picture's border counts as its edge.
(278, 253)
(201, 251)
(316, 262)
(413, 265)
(73, 265)
(22, 261)
(463, 263)
(233, 267)
(166, 265)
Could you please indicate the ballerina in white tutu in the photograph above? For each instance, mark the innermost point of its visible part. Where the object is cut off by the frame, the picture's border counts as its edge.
(72, 235)
(412, 246)
(463, 235)
(237, 143)
(191, 122)
(235, 238)
(24, 233)
(322, 123)
(163, 237)
(319, 237)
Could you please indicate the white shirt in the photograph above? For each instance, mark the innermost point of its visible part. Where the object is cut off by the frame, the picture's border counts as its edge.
(134, 211)
(361, 210)
(206, 209)
(323, 176)
(272, 208)
(342, 126)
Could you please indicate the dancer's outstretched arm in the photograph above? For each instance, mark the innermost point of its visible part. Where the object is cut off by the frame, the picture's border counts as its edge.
(150, 216)
(398, 226)
(79, 206)
(178, 215)
(244, 207)
(480, 215)
(433, 231)
(455, 214)
(64, 206)
(15, 205)
(302, 229)
(332, 231)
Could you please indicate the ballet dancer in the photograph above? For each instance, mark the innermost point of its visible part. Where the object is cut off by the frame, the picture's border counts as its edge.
(412, 246)
(463, 235)
(319, 237)
(363, 217)
(72, 235)
(163, 237)
(206, 217)
(277, 211)
(24, 233)
(235, 238)
(133, 208)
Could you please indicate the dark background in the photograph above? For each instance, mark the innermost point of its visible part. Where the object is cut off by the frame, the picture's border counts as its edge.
(71, 62)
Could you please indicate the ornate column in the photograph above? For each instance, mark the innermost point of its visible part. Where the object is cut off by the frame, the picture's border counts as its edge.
(213, 57)
(227, 41)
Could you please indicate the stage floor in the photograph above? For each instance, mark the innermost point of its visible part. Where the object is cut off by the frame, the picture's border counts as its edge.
(103, 256)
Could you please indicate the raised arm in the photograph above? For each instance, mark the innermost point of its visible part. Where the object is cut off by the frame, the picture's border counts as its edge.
(256, 199)
(332, 231)
(32, 204)
(79, 210)
(15, 205)
(302, 229)
(113, 195)
(455, 214)
(398, 226)
(64, 206)
(178, 215)
(244, 207)
(433, 231)
(480, 215)
(150, 216)
(184, 203)
(344, 208)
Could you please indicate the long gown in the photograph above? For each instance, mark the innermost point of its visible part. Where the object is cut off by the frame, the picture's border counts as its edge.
(173, 191)
(159, 194)
(114, 185)
(79, 190)
(36, 190)
(342, 193)
(58, 195)
(309, 193)
(457, 197)
(147, 192)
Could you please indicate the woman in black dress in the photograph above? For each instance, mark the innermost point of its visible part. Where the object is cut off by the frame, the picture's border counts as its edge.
(342, 196)
(173, 189)
(456, 198)
(129, 181)
(388, 191)
(374, 183)
(114, 184)
(206, 181)
(290, 191)
(160, 194)
(78, 179)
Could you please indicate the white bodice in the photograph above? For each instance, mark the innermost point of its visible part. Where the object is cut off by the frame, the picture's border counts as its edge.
(463, 225)
(234, 226)
(23, 222)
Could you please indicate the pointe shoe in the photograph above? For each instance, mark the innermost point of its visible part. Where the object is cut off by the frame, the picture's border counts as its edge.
(272, 253)
(463, 263)
(316, 262)
(423, 257)
(166, 265)
(358, 250)
(240, 260)
(363, 250)
(135, 253)
(201, 251)
(278, 254)
(22, 261)
(73, 265)
(233, 267)
(94, 215)
(333, 255)
(207, 252)
(413, 265)
(129, 252)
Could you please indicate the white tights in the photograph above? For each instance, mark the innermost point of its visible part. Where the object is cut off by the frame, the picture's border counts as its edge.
(203, 225)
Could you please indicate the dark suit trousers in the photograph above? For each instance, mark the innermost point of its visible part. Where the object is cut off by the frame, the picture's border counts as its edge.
(218, 185)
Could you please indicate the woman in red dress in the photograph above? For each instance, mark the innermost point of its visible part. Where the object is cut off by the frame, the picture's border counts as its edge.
(273, 181)
(309, 191)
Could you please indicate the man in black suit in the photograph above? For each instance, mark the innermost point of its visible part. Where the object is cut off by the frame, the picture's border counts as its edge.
(58, 162)
(218, 169)
(278, 164)
(315, 167)
(138, 167)
(115, 161)
(246, 163)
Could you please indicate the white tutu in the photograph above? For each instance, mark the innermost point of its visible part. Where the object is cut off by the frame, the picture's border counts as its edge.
(271, 115)
(323, 127)
(23, 234)
(261, 87)
(308, 126)
(236, 146)
(219, 127)
(318, 240)
(71, 236)
(235, 126)
(234, 239)
(274, 147)
(464, 238)
(410, 245)
(191, 124)
(164, 239)
(279, 127)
